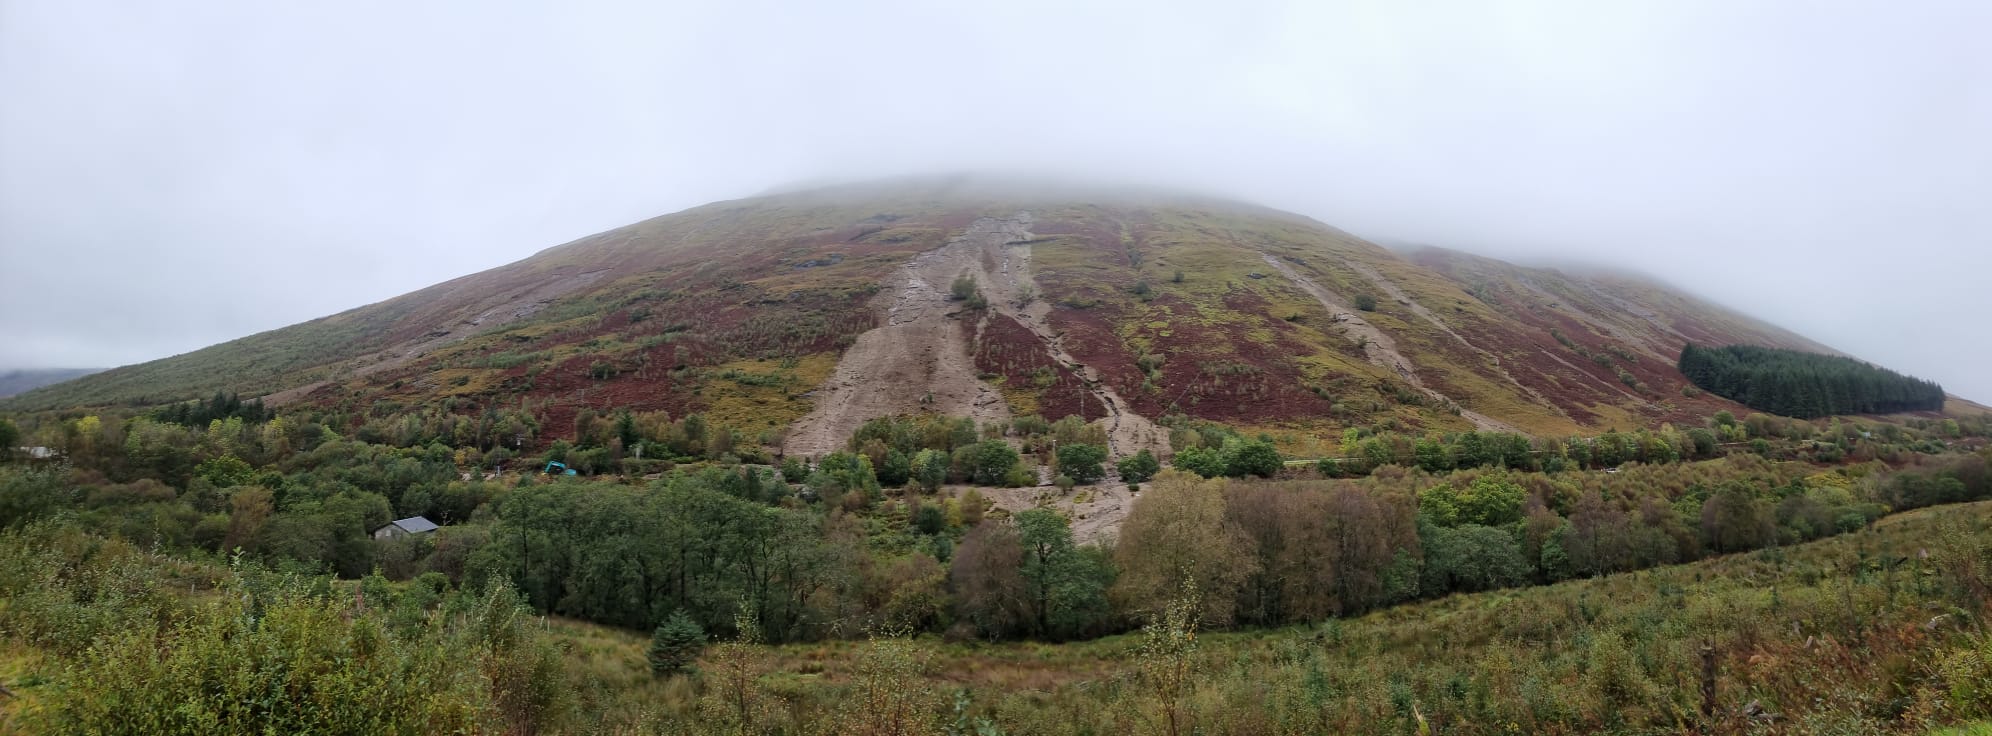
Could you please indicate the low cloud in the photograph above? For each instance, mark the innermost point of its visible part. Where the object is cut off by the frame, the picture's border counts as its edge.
(175, 175)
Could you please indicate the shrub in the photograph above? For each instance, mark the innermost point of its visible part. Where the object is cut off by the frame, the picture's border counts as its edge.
(273, 652)
(1081, 463)
(1139, 467)
(930, 469)
(1366, 302)
(990, 462)
(1203, 461)
(896, 470)
(930, 518)
(1255, 458)
(793, 470)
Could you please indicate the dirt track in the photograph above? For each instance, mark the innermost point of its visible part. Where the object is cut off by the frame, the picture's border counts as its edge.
(1378, 347)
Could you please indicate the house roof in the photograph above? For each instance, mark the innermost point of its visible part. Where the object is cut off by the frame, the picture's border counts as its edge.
(414, 524)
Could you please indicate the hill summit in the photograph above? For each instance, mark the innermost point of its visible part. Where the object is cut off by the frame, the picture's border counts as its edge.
(794, 317)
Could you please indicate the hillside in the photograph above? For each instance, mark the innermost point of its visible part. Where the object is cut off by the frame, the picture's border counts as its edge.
(1870, 632)
(796, 316)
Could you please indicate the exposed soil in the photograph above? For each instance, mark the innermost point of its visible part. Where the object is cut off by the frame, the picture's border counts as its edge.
(1007, 287)
(1097, 519)
(918, 360)
(1378, 347)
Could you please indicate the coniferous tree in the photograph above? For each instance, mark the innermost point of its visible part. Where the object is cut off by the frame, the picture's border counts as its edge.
(1804, 385)
(675, 644)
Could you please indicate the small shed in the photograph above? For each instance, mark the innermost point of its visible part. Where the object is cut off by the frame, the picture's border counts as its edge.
(410, 526)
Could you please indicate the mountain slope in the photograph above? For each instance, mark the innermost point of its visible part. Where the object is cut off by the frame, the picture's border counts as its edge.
(798, 315)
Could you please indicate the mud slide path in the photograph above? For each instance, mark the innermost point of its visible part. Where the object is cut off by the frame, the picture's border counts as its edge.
(918, 360)
(1390, 288)
(1096, 511)
(1006, 288)
(1378, 347)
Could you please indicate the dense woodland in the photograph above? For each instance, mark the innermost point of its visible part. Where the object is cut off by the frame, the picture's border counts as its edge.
(1805, 385)
(888, 538)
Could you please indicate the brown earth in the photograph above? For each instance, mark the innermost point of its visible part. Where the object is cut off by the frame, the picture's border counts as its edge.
(1096, 511)
(918, 360)
(1127, 432)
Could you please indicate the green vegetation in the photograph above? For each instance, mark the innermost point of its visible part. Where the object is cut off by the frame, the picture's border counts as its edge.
(124, 648)
(1835, 636)
(1236, 458)
(253, 365)
(1213, 450)
(1082, 463)
(208, 567)
(222, 406)
(1139, 467)
(1805, 385)
(675, 645)
(828, 554)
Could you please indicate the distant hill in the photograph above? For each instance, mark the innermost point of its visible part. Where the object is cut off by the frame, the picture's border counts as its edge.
(19, 381)
(800, 314)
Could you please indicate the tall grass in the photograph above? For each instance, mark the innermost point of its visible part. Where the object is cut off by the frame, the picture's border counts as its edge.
(1874, 632)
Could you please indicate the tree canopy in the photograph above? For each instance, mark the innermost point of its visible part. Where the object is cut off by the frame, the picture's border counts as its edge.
(1805, 385)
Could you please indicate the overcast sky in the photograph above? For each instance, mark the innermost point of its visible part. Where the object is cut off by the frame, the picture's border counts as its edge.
(176, 174)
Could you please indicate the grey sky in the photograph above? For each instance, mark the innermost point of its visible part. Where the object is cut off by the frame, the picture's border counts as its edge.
(176, 174)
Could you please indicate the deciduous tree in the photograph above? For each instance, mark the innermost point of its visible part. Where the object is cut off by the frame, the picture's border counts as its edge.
(1178, 529)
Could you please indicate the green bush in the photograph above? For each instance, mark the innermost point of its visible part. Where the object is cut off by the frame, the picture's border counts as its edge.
(1255, 458)
(1082, 463)
(1139, 467)
(990, 462)
(930, 469)
(273, 654)
(1203, 461)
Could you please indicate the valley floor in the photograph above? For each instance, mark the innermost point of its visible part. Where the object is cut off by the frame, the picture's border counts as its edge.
(1872, 632)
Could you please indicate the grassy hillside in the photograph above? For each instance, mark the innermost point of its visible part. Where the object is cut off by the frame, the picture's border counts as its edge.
(1212, 309)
